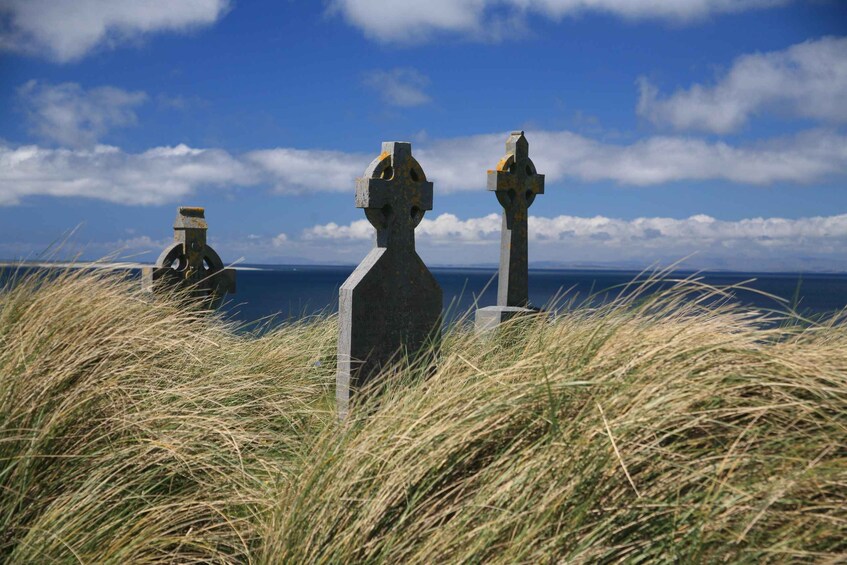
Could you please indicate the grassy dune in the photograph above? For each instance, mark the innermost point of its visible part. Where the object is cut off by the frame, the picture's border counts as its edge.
(654, 428)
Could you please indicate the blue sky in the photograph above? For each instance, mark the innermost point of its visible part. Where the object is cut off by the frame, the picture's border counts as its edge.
(665, 129)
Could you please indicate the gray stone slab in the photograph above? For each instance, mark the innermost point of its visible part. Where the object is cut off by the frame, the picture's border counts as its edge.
(189, 262)
(391, 304)
(516, 183)
(490, 317)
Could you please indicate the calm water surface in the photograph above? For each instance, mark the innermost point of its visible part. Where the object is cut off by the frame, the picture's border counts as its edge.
(278, 293)
(294, 291)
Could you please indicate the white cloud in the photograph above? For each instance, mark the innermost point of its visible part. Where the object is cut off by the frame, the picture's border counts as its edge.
(278, 241)
(406, 21)
(166, 174)
(300, 170)
(808, 80)
(448, 229)
(443, 228)
(673, 10)
(766, 243)
(410, 20)
(460, 163)
(358, 230)
(68, 30)
(698, 230)
(399, 87)
(813, 243)
(72, 116)
(156, 176)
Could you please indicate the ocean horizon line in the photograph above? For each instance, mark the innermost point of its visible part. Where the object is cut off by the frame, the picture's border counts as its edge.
(541, 266)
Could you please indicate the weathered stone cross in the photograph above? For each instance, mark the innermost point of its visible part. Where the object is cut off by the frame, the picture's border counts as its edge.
(391, 303)
(190, 262)
(516, 184)
(395, 194)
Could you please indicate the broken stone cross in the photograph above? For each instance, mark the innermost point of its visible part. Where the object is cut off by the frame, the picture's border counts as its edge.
(516, 184)
(391, 304)
(189, 262)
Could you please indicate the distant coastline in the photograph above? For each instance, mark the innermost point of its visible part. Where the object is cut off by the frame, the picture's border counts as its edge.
(116, 266)
(539, 266)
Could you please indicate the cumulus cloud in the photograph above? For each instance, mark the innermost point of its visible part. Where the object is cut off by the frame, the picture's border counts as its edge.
(73, 116)
(410, 20)
(812, 243)
(156, 176)
(69, 30)
(298, 170)
(360, 229)
(278, 241)
(165, 174)
(693, 231)
(399, 87)
(449, 229)
(804, 158)
(443, 229)
(807, 80)
(572, 238)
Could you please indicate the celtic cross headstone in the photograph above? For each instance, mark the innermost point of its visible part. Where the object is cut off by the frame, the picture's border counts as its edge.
(516, 183)
(189, 262)
(391, 304)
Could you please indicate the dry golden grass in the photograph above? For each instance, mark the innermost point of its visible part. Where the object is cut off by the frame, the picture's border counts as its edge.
(662, 427)
(136, 432)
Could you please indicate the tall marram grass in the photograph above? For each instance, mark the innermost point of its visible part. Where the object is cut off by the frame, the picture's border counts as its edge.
(672, 426)
(144, 432)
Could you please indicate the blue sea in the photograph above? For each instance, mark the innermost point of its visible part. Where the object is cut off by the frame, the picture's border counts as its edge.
(284, 292)
(270, 294)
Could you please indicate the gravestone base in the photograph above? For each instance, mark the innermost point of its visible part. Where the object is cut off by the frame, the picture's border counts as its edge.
(490, 317)
(213, 287)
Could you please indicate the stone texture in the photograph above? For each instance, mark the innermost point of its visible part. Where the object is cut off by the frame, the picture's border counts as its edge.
(391, 304)
(490, 317)
(189, 262)
(516, 183)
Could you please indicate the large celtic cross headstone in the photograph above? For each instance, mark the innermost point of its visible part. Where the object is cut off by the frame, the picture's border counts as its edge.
(391, 304)
(189, 262)
(516, 184)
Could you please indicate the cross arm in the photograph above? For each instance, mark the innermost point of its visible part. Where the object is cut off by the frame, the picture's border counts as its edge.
(377, 193)
(505, 181)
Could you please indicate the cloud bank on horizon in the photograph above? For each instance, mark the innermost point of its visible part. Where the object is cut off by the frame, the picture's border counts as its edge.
(689, 130)
(749, 243)
(766, 244)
